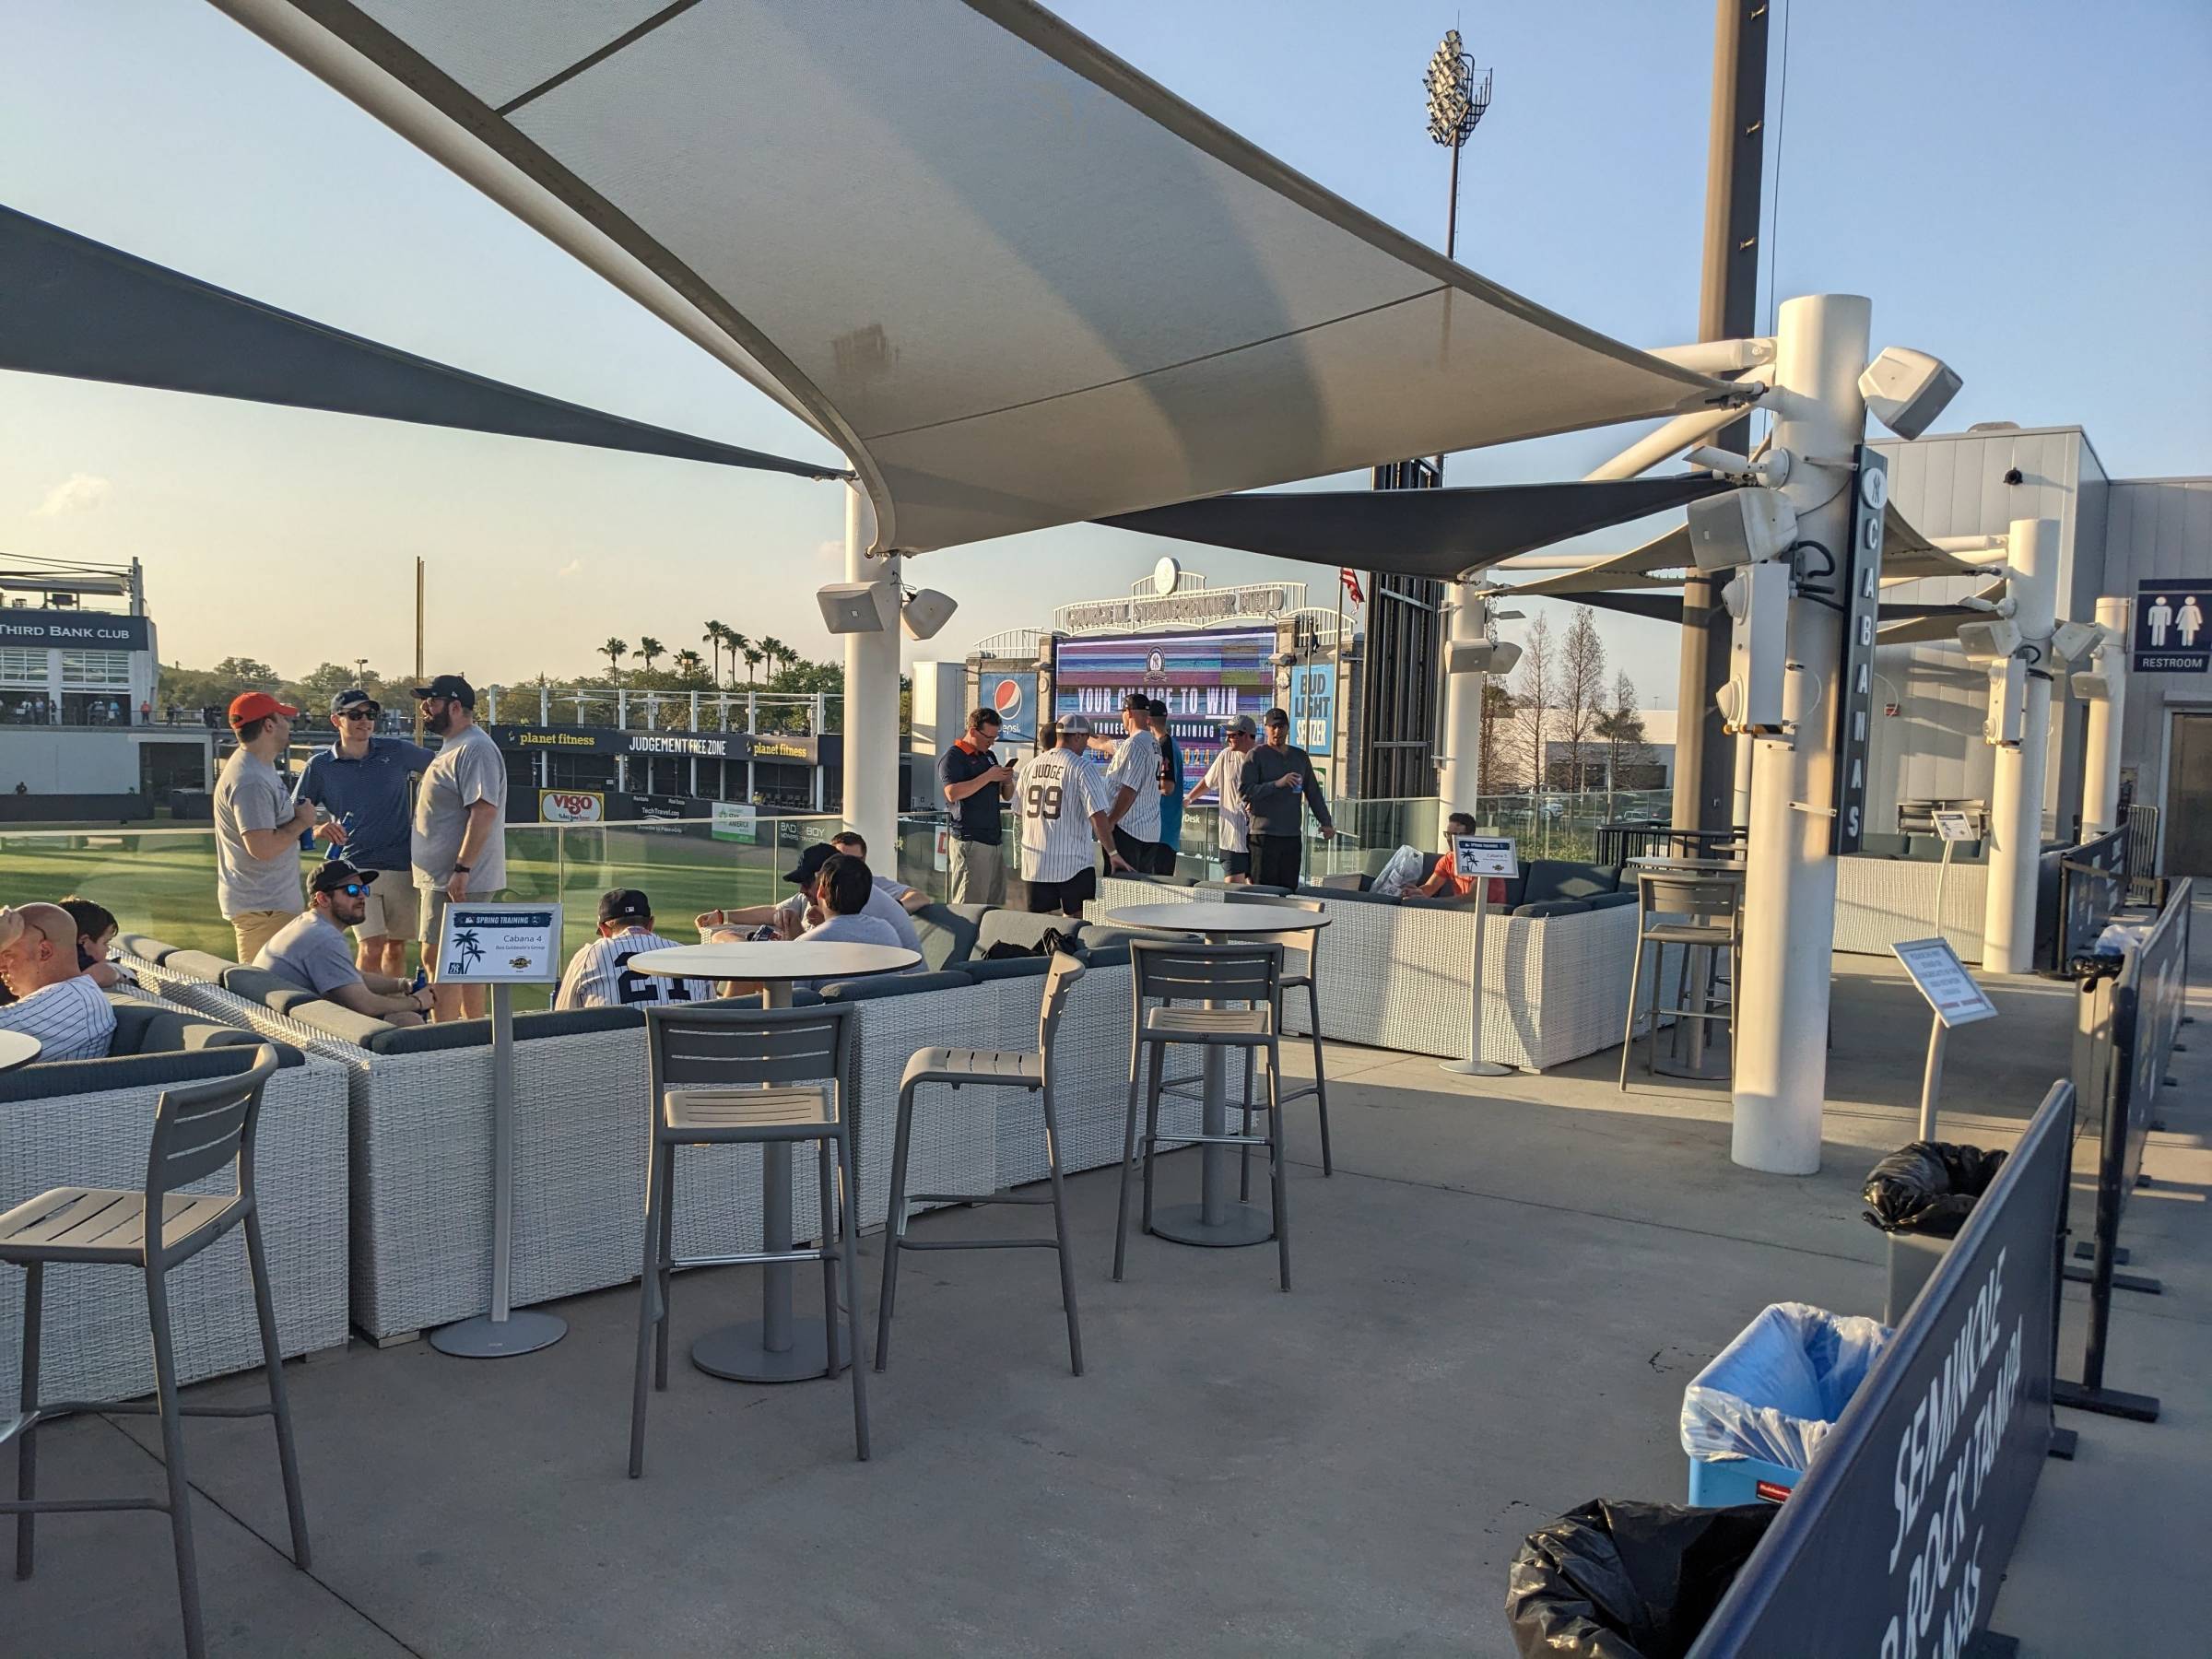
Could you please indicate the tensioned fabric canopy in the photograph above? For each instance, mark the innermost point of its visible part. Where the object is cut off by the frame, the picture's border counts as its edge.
(1445, 534)
(1015, 281)
(79, 308)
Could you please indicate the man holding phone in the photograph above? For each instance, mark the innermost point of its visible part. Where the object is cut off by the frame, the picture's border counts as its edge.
(361, 782)
(973, 784)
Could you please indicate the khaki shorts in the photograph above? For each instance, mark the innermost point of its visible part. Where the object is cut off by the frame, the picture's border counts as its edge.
(256, 928)
(979, 873)
(392, 908)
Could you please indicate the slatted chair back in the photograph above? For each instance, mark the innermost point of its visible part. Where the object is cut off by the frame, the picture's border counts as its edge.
(1707, 900)
(735, 1048)
(201, 1127)
(1059, 980)
(1171, 971)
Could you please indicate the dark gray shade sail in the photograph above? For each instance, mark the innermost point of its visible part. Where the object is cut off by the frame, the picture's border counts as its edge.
(1445, 533)
(74, 307)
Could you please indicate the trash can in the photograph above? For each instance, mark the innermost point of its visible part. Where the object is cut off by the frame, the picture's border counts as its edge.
(1753, 1419)
(1627, 1581)
(1921, 1196)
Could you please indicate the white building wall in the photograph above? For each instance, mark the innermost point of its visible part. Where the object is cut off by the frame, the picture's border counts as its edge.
(2157, 528)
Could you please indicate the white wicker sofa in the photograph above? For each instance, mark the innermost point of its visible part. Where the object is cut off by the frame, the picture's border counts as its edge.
(1395, 975)
(89, 1122)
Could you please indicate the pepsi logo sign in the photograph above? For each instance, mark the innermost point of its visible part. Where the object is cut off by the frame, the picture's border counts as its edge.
(1006, 697)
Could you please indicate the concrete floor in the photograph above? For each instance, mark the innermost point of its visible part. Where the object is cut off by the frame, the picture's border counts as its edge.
(1499, 1299)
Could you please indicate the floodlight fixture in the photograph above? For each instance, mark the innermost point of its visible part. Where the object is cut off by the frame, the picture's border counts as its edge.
(1456, 102)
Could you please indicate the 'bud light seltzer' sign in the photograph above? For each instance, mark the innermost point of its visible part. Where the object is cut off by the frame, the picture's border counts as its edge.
(1859, 587)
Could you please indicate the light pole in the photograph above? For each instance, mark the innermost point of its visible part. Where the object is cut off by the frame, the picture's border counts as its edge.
(1456, 106)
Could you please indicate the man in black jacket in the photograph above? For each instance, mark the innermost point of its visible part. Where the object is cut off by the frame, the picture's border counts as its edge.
(1276, 775)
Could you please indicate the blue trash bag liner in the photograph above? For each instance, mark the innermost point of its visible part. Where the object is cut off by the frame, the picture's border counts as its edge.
(1775, 1392)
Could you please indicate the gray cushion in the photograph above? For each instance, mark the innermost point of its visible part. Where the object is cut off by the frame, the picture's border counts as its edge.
(55, 1078)
(877, 986)
(947, 932)
(257, 984)
(1553, 906)
(1347, 895)
(1017, 927)
(141, 1028)
(335, 1021)
(141, 948)
(1106, 956)
(1565, 878)
(1092, 936)
(198, 965)
(1345, 881)
(1610, 900)
(476, 1033)
(1033, 967)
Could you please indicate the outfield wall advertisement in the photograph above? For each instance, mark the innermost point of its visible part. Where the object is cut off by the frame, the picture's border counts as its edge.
(1204, 678)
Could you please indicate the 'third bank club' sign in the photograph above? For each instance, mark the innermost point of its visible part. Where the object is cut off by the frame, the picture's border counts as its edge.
(79, 630)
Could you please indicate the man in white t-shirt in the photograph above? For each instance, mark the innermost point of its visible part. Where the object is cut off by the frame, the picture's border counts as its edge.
(1225, 781)
(458, 846)
(599, 975)
(58, 1001)
(1133, 783)
(1060, 801)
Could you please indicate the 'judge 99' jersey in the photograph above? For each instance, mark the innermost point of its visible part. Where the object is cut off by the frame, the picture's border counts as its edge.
(1054, 794)
(600, 976)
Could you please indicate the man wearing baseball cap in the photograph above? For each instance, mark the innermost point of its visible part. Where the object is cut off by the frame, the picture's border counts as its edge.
(310, 951)
(1276, 777)
(257, 825)
(599, 975)
(1061, 802)
(1225, 780)
(360, 784)
(973, 783)
(1132, 784)
(458, 846)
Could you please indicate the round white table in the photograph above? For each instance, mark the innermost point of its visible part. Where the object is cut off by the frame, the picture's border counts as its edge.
(776, 1348)
(18, 1048)
(1216, 1220)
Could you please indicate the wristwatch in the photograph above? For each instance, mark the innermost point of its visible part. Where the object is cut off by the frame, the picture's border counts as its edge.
(460, 869)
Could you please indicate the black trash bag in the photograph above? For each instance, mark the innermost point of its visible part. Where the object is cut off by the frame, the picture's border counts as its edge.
(1627, 1581)
(1928, 1187)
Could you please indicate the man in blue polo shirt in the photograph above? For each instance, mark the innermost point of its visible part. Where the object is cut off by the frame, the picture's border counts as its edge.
(362, 783)
(974, 784)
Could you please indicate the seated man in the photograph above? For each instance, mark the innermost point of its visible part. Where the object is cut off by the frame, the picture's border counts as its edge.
(310, 950)
(56, 1001)
(1443, 881)
(845, 892)
(599, 975)
(795, 915)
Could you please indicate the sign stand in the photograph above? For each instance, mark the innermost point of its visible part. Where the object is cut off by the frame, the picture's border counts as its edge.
(501, 946)
(1956, 1000)
(1953, 827)
(1481, 856)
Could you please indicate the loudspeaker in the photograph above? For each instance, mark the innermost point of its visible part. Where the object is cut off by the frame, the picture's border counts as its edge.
(851, 607)
(1744, 526)
(928, 611)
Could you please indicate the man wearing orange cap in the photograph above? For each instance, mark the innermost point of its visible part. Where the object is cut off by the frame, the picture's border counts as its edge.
(258, 826)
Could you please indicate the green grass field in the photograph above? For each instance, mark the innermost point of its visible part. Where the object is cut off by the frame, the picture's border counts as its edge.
(163, 884)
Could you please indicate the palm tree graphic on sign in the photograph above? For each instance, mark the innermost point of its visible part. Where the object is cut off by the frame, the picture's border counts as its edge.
(470, 946)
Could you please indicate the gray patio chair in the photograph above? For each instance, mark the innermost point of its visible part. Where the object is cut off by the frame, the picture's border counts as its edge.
(1217, 977)
(758, 1077)
(985, 1068)
(198, 1129)
(1302, 966)
(1699, 912)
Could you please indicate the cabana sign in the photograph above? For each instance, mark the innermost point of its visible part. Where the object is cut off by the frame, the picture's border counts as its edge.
(501, 944)
(1859, 577)
(1484, 855)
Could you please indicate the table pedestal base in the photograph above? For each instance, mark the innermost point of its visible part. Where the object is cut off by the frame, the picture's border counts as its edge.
(739, 1353)
(1241, 1224)
(524, 1330)
(1474, 1068)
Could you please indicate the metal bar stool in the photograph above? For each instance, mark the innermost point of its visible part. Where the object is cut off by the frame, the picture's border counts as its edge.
(1214, 975)
(986, 1068)
(197, 1130)
(1697, 910)
(1302, 967)
(720, 1076)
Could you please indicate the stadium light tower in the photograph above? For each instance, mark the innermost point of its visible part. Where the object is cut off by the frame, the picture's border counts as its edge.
(1456, 106)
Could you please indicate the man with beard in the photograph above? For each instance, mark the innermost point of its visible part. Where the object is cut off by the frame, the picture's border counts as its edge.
(458, 846)
(311, 952)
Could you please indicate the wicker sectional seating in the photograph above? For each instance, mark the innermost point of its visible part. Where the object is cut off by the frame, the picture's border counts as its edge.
(89, 1122)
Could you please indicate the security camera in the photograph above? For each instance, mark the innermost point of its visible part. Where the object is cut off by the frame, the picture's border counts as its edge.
(1991, 641)
(850, 607)
(1906, 390)
(1483, 656)
(928, 611)
(2014, 475)
(1744, 526)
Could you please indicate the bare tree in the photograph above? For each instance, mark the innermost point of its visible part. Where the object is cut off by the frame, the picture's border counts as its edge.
(1534, 697)
(1496, 769)
(1620, 729)
(1582, 689)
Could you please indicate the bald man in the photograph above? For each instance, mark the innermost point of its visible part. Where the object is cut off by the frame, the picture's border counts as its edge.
(56, 1002)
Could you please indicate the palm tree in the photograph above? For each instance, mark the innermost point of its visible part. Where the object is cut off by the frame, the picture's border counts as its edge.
(649, 648)
(614, 651)
(739, 646)
(712, 639)
(688, 664)
(753, 656)
(774, 650)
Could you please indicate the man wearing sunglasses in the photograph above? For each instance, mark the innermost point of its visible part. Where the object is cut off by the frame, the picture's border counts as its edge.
(360, 784)
(311, 952)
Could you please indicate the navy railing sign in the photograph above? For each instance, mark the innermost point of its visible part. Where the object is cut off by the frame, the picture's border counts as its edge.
(1894, 1544)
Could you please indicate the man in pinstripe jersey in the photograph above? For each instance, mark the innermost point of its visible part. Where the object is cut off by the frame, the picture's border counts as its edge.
(57, 1002)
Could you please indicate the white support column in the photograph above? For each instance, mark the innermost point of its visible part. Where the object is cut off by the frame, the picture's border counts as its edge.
(1790, 885)
(544, 705)
(2016, 805)
(871, 746)
(1739, 800)
(1459, 781)
(2100, 739)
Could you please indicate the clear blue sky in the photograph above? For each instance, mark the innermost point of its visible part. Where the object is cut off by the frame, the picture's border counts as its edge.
(2023, 187)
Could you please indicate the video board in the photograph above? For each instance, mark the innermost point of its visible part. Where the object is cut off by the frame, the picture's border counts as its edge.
(1204, 678)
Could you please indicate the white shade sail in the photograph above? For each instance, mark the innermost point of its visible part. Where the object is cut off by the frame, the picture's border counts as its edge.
(1015, 281)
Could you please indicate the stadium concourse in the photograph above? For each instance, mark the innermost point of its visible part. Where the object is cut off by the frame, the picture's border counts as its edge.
(1516, 1283)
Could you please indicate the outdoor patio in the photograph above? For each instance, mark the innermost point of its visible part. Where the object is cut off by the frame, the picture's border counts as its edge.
(1499, 1299)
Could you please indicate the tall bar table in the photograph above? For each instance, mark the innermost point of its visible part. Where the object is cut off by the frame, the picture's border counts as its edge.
(778, 1347)
(1216, 1220)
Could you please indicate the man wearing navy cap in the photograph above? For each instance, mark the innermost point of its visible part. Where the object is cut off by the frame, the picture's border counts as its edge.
(310, 951)
(458, 847)
(361, 782)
